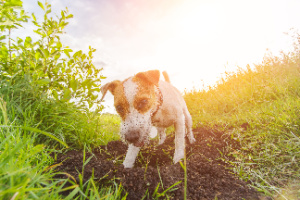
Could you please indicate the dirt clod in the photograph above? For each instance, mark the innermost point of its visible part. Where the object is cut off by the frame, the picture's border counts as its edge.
(208, 176)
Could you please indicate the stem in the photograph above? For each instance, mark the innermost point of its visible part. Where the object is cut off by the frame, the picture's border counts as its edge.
(9, 44)
(185, 176)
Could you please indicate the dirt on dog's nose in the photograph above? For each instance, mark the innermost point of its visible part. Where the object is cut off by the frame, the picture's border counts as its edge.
(132, 136)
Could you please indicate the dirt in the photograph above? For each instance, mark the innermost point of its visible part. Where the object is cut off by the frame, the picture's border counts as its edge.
(154, 174)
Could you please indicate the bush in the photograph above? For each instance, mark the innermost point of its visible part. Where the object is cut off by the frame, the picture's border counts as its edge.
(46, 93)
(50, 67)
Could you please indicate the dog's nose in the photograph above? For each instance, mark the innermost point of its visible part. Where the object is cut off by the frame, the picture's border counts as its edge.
(132, 136)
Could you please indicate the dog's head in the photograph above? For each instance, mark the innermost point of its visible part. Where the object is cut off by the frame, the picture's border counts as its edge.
(135, 100)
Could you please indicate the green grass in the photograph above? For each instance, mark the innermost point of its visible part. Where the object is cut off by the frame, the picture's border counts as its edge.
(109, 127)
(267, 100)
(33, 127)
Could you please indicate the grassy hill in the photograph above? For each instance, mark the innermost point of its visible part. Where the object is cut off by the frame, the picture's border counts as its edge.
(259, 108)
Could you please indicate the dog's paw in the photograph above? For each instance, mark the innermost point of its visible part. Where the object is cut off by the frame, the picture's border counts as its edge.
(128, 165)
(131, 155)
(161, 140)
(178, 156)
(192, 140)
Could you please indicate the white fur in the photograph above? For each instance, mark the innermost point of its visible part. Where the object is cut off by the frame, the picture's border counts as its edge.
(131, 155)
(130, 90)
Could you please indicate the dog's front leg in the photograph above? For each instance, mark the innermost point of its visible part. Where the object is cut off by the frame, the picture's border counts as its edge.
(179, 140)
(162, 135)
(131, 155)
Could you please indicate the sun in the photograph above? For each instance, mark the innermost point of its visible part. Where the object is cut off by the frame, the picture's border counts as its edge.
(204, 37)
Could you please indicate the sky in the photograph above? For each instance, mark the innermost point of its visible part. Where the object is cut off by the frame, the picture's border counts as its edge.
(195, 41)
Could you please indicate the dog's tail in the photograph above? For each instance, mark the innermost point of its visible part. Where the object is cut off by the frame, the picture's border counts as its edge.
(166, 76)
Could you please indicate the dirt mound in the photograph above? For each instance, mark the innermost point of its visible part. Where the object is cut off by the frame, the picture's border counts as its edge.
(154, 173)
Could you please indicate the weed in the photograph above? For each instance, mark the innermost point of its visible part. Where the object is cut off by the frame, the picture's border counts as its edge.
(183, 165)
(164, 193)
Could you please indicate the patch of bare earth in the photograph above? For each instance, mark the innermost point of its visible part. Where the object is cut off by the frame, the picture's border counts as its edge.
(208, 177)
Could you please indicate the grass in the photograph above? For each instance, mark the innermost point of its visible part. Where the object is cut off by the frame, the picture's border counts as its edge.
(34, 127)
(266, 100)
(110, 127)
(183, 165)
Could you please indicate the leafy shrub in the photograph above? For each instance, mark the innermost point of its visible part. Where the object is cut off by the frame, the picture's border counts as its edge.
(45, 92)
(48, 65)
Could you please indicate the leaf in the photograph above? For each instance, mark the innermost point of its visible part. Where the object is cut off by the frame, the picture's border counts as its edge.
(67, 94)
(90, 71)
(14, 4)
(40, 52)
(96, 90)
(69, 16)
(54, 53)
(41, 5)
(62, 14)
(74, 84)
(55, 94)
(43, 52)
(33, 16)
(48, 11)
(58, 45)
(91, 105)
(44, 81)
(27, 43)
(77, 54)
(67, 52)
(2, 37)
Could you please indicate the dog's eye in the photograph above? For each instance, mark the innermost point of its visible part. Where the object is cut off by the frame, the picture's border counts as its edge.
(142, 103)
(120, 109)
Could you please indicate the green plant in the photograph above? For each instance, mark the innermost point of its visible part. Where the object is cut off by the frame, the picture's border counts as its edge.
(23, 172)
(47, 64)
(183, 165)
(156, 194)
(45, 96)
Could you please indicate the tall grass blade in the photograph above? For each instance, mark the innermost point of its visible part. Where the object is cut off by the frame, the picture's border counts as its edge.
(37, 131)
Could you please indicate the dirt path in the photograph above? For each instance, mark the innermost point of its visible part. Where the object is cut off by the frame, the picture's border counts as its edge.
(208, 177)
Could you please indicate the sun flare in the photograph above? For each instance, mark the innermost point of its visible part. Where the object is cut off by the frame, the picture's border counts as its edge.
(201, 41)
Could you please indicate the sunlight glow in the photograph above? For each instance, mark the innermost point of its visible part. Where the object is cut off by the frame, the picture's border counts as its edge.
(203, 38)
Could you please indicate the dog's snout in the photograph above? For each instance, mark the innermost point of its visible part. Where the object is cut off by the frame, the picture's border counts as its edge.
(132, 136)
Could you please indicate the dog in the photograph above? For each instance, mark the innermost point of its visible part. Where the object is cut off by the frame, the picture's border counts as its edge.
(143, 101)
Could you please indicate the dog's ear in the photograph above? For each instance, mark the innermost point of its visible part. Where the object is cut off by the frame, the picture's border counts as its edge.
(109, 86)
(151, 76)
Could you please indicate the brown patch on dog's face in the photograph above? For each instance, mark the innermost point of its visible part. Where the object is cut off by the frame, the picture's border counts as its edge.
(120, 102)
(145, 99)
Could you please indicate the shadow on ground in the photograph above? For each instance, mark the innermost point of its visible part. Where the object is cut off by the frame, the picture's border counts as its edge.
(208, 175)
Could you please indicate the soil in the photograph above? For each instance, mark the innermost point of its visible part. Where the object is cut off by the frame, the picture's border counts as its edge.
(154, 174)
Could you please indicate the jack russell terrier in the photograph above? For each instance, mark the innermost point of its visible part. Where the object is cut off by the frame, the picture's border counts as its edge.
(143, 101)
